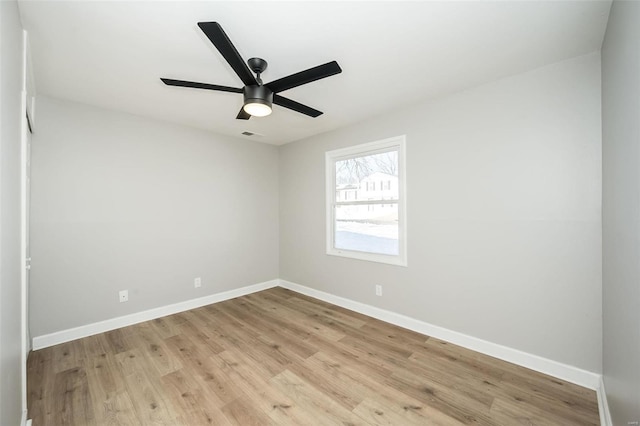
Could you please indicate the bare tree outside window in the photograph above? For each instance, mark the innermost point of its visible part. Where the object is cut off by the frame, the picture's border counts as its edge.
(387, 162)
(354, 170)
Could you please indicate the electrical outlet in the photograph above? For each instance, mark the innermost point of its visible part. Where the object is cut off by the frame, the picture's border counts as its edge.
(378, 290)
(124, 296)
(197, 282)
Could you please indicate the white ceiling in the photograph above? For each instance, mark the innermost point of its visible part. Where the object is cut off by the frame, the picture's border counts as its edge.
(393, 54)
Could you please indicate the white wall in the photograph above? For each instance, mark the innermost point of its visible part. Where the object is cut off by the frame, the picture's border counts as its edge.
(621, 211)
(504, 193)
(122, 202)
(10, 136)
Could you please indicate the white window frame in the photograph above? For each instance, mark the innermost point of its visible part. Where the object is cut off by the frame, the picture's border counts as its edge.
(331, 157)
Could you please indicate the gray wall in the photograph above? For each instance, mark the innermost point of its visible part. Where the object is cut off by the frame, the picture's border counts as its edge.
(504, 218)
(122, 202)
(621, 211)
(10, 135)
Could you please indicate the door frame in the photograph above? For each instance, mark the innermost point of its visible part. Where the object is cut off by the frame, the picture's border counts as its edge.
(27, 110)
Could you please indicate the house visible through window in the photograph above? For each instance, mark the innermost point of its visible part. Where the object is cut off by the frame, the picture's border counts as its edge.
(368, 224)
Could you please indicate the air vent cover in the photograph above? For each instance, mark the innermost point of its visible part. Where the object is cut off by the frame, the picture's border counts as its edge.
(246, 132)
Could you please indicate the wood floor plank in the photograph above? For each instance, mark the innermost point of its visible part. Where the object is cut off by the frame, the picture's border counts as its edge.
(521, 413)
(200, 337)
(118, 341)
(289, 313)
(194, 404)
(460, 358)
(150, 405)
(277, 357)
(253, 381)
(73, 404)
(166, 326)
(318, 406)
(111, 401)
(291, 297)
(39, 386)
(547, 394)
(461, 407)
(67, 355)
(240, 412)
(373, 345)
(376, 412)
(373, 388)
(272, 327)
(155, 349)
(269, 356)
(318, 312)
(201, 367)
(95, 345)
(466, 383)
(347, 393)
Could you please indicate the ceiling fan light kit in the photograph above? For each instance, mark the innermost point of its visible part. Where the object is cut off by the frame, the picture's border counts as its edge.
(258, 97)
(257, 100)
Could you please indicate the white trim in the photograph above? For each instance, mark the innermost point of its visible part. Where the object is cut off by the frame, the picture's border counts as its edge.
(562, 371)
(24, 222)
(44, 341)
(23, 420)
(603, 405)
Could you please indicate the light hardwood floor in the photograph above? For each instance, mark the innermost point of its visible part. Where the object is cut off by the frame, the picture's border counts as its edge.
(281, 358)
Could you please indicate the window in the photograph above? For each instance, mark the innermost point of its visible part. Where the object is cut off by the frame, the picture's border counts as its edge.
(368, 226)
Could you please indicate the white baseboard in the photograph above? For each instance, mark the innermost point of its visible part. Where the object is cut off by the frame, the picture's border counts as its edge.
(23, 420)
(543, 365)
(44, 341)
(603, 405)
(553, 368)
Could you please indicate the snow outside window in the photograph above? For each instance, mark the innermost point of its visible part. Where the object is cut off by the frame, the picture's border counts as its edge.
(366, 202)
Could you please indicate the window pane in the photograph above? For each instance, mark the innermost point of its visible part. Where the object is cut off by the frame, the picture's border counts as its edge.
(369, 228)
(369, 177)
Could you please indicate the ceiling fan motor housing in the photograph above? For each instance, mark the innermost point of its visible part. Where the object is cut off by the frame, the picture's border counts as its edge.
(258, 94)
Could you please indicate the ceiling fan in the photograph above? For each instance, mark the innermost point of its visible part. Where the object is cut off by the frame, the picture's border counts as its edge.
(258, 97)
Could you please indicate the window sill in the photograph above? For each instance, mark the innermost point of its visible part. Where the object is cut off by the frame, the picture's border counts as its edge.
(370, 257)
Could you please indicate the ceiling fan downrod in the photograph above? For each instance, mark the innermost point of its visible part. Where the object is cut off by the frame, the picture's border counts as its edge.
(258, 66)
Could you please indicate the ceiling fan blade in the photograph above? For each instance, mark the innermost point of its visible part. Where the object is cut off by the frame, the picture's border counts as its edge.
(304, 77)
(243, 115)
(219, 38)
(295, 106)
(193, 84)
